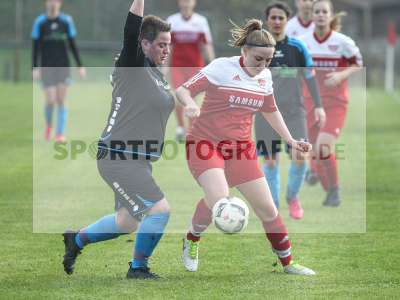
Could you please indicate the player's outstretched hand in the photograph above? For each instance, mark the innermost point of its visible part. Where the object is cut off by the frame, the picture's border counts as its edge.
(301, 146)
(82, 72)
(192, 110)
(36, 74)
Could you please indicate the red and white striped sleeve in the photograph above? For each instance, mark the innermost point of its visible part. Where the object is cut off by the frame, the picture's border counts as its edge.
(197, 84)
(351, 52)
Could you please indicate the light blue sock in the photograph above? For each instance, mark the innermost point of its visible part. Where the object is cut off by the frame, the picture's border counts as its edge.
(297, 174)
(48, 112)
(274, 182)
(103, 230)
(62, 120)
(149, 234)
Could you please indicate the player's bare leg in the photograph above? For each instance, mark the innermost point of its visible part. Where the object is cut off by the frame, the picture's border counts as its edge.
(260, 198)
(215, 187)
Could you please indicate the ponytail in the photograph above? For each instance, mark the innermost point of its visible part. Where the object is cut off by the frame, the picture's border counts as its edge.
(252, 34)
(336, 23)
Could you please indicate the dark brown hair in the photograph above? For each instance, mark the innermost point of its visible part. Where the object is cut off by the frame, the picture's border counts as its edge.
(152, 26)
(279, 5)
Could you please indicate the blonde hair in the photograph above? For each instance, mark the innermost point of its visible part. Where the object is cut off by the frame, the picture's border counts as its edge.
(336, 22)
(252, 34)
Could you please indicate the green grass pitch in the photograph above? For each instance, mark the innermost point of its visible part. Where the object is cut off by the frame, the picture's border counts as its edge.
(357, 266)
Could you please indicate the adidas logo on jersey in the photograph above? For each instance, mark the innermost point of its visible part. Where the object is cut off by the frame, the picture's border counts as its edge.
(237, 78)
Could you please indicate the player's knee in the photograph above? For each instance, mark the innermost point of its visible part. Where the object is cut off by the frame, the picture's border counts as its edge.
(125, 222)
(161, 207)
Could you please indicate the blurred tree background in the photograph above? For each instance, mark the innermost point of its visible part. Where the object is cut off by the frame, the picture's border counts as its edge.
(100, 22)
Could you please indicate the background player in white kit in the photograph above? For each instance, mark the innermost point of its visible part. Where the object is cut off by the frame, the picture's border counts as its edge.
(191, 47)
(337, 57)
(301, 23)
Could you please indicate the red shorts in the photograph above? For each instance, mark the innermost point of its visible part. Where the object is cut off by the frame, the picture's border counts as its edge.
(335, 121)
(239, 163)
(182, 74)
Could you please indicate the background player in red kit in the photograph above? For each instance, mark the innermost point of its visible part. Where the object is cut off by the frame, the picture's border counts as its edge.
(236, 88)
(337, 57)
(191, 39)
(301, 23)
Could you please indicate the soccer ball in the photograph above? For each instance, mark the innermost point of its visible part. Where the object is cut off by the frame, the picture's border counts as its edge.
(230, 215)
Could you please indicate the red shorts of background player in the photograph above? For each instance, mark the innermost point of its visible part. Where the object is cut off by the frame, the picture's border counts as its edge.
(182, 74)
(239, 162)
(335, 121)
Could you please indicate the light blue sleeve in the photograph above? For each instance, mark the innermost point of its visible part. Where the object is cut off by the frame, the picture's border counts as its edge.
(71, 26)
(36, 27)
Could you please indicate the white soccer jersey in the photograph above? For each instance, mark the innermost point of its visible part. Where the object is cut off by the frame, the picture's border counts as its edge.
(232, 98)
(295, 28)
(334, 51)
(188, 36)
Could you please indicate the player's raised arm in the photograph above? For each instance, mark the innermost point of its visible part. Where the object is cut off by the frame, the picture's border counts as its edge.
(137, 8)
(130, 50)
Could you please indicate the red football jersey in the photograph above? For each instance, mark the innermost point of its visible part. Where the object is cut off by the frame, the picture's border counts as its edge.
(188, 37)
(232, 98)
(330, 54)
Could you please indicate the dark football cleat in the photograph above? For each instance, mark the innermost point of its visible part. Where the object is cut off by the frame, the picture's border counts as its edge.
(141, 274)
(71, 251)
(311, 178)
(332, 198)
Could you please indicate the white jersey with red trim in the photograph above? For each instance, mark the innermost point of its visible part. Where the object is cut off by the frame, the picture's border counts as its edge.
(232, 97)
(296, 28)
(334, 51)
(188, 37)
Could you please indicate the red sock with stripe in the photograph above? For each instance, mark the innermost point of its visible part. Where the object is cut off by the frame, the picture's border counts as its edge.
(202, 218)
(277, 234)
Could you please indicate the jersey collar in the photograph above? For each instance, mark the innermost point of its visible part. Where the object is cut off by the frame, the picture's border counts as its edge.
(187, 19)
(304, 24)
(323, 39)
(284, 41)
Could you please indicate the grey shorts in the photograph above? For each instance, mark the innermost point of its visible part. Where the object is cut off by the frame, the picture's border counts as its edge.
(55, 76)
(268, 140)
(132, 183)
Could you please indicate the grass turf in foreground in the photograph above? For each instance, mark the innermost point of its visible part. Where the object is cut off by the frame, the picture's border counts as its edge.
(349, 266)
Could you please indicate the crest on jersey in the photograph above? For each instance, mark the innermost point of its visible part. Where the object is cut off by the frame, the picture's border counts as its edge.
(279, 54)
(262, 83)
(54, 26)
(333, 48)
